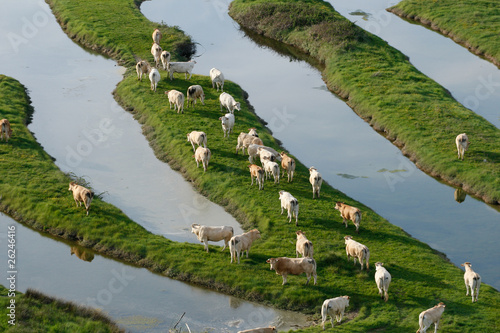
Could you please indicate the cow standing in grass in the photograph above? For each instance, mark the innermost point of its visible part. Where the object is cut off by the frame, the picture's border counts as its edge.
(81, 194)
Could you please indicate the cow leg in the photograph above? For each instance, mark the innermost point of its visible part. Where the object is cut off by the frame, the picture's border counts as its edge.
(345, 221)
(308, 277)
(467, 288)
(436, 324)
(284, 279)
(206, 245)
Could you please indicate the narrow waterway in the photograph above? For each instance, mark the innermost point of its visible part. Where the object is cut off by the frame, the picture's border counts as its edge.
(321, 130)
(135, 298)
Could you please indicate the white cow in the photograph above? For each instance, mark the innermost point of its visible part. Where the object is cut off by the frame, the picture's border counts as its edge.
(181, 67)
(156, 52)
(271, 168)
(217, 79)
(472, 280)
(213, 234)
(357, 250)
(315, 180)
(462, 142)
(154, 77)
(291, 205)
(142, 68)
(228, 102)
(227, 123)
(382, 279)
(176, 98)
(294, 266)
(195, 92)
(241, 243)
(165, 59)
(303, 246)
(429, 317)
(202, 155)
(334, 307)
(197, 137)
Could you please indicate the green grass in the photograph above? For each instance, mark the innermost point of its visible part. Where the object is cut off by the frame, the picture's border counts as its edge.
(36, 312)
(382, 86)
(421, 277)
(472, 23)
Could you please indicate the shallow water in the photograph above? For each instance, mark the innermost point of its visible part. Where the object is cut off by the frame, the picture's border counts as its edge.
(321, 130)
(137, 299)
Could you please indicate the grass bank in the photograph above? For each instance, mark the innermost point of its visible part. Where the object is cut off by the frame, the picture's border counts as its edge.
(36, 312)
(422, 277)
(475, 24)
(381, 85)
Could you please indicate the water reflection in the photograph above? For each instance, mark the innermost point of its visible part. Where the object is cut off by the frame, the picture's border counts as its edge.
(82, 253)
(460, 195)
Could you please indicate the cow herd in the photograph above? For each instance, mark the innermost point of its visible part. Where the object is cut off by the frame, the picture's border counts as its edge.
(269, 159)
(271, 162)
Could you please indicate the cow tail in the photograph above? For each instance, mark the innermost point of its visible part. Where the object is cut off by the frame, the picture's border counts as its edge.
(367, 257)
(90, 196)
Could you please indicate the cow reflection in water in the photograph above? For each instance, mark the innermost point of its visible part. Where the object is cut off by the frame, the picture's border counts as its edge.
(82, 253)
(460, 195)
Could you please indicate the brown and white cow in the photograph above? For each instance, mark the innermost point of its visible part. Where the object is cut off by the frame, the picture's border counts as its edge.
(288, 165)
(207, 233)
(334, 307)
(81, 194)
(5, 130)
(303, 246)
(294, 266)
(258, 173)
(349, 213)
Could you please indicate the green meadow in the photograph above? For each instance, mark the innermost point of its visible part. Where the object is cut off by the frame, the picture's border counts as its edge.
(35, 192)
(473, 23)
(36, 312)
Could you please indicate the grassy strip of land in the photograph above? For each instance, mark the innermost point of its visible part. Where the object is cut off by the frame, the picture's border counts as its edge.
(421, 277)
(36, 312)
(382, 86)
(474, 24)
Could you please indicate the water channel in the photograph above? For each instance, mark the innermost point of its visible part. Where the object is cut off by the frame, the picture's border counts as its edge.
(70, 86)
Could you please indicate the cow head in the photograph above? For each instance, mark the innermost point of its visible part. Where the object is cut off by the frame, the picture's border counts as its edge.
(347, 238)
(338, 205)
(311, 169)
(71, 186)
(378, 265)
(273, 262)
(300, 232)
